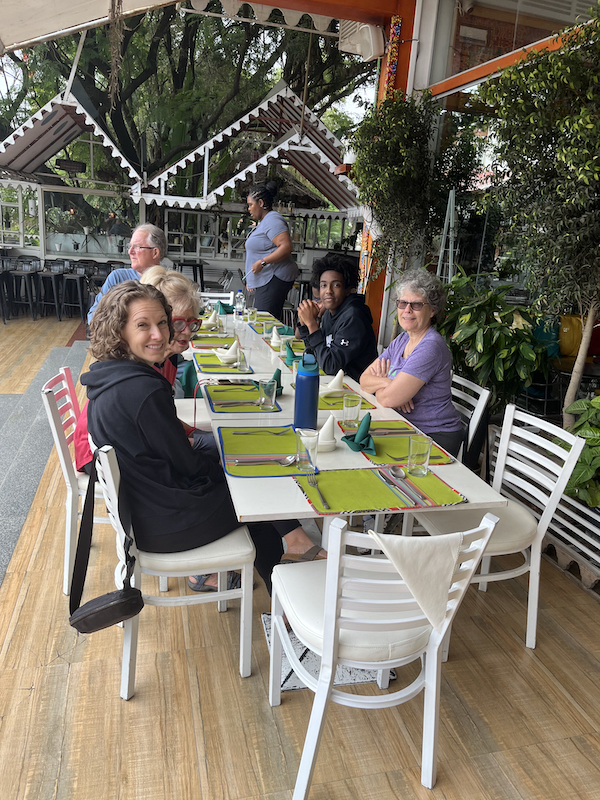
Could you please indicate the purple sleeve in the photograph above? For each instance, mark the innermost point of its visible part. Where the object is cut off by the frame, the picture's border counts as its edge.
(425, 361)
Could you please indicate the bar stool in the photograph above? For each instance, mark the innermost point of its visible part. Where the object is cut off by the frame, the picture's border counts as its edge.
(23, 284)
(75, 288)
(48, 286)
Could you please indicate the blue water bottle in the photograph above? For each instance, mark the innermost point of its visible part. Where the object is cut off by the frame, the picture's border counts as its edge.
(306, 403)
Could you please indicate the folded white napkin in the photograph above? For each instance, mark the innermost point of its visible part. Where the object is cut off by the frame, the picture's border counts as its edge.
(275, 337)
(212, 320)
(336, 385)
(426, 564)
(327, 432)
(188, 354)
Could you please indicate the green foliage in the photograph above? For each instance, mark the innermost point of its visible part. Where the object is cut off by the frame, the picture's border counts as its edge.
(400, 178)
(491, 341)
(546, 126)
(183, 78)
(584, 483)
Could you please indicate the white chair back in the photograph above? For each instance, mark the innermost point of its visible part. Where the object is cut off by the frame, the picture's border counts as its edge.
(214, 297)
(470, 400)
(62, 409)
(534, 462)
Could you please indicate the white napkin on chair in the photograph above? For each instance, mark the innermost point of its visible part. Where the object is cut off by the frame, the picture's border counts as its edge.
(426, 564)
(336, 385)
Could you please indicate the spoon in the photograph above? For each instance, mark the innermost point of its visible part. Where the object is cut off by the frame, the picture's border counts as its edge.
(397, 472)
(284, 462)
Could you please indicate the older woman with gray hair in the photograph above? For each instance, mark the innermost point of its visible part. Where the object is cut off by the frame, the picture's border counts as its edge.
(413, 375)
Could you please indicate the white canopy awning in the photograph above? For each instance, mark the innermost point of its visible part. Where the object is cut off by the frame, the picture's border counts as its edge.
(25, 22)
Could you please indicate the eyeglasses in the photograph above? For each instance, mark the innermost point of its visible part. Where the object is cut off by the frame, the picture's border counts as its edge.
(180, 324)
(133, 248)
(402, 304)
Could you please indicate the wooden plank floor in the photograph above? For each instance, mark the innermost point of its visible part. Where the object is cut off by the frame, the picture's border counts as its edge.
(515, 724)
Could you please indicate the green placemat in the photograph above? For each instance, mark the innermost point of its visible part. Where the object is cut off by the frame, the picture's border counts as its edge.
(245, 443)
(335, 400)
(209, 363)
(209, 341)
(244, 396)
(394, 450)
(364, 490)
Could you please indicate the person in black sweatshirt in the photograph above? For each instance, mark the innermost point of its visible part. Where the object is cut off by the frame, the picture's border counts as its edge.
(177, 496)
(343, 338)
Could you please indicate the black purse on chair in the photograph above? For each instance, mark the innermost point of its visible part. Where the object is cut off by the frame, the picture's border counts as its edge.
(108, 609)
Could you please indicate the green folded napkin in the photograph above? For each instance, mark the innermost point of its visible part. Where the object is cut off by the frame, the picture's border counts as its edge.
(285, 330)
(362, 439)
(277, 378)
(289, 354)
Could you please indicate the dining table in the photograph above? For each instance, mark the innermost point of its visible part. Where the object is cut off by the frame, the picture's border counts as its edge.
(355, 482)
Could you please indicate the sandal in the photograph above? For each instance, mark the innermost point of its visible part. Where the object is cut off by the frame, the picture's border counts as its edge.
(310, 555)
(234, 581)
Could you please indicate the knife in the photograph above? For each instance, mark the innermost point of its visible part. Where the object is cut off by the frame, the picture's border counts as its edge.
(396, 489)
(226, 403)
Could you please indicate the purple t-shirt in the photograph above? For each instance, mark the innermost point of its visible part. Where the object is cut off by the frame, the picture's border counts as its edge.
(431, 362)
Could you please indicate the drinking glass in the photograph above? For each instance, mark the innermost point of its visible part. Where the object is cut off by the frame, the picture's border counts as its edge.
(244, 359)
(419, 448)
(266, 394)
(307, 442)
(351, 409)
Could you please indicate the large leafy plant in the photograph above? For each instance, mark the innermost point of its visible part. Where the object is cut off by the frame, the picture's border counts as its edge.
(584, 483)
(491, 341)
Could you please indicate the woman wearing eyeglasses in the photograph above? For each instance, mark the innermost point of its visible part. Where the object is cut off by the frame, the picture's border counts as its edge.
(413, 375)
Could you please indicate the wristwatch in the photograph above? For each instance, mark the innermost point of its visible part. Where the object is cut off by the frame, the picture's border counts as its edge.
(263, 263)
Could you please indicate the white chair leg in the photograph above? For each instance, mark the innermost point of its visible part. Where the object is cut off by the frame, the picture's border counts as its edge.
(221, 587)
(534, 594)
(431, 713)
(246, 621)
(383, 678)
(163, 583)
(130, 640)
(313, 736)
(484, 569)
(407, 524)
(446, 643)
(276, 654)
(71, 509)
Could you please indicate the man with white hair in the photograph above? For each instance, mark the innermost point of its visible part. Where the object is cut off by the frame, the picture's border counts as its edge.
(147, 248)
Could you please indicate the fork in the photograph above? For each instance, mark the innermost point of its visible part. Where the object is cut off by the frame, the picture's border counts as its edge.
(404, 458)
(260, 430)
(312, 481)
(232, 388)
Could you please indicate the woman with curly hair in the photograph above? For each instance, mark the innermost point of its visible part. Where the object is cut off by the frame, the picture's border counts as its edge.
(414, 374)
(177, 495)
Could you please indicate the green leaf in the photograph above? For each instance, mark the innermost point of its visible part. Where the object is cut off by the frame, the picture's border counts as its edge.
(580, 475)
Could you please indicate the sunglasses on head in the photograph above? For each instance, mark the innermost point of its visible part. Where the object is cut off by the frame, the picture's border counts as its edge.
(180, 324)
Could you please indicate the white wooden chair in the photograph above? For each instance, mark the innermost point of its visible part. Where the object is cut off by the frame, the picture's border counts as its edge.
(534, 463)
(232, 552)
(62, 409)
(470, 400)
(358, 611)
(215, 297)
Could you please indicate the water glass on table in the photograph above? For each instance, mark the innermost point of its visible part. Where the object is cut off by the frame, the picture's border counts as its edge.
(266, 395)
(307, 442)
(243, 362)
(351, 410)
(419, 448)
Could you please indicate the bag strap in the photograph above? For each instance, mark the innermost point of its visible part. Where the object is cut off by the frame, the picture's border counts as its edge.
(84, 544)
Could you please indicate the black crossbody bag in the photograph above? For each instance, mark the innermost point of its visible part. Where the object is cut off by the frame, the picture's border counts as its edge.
(108, 609)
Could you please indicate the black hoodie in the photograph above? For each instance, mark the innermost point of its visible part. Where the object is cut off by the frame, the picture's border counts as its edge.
(169, 487)
(345, 340)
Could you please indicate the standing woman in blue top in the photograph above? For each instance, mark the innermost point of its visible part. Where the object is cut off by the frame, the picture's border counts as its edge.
(270, 268)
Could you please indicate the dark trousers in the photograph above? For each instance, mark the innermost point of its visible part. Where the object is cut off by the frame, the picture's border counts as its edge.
(449, 440)
(271, 296)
